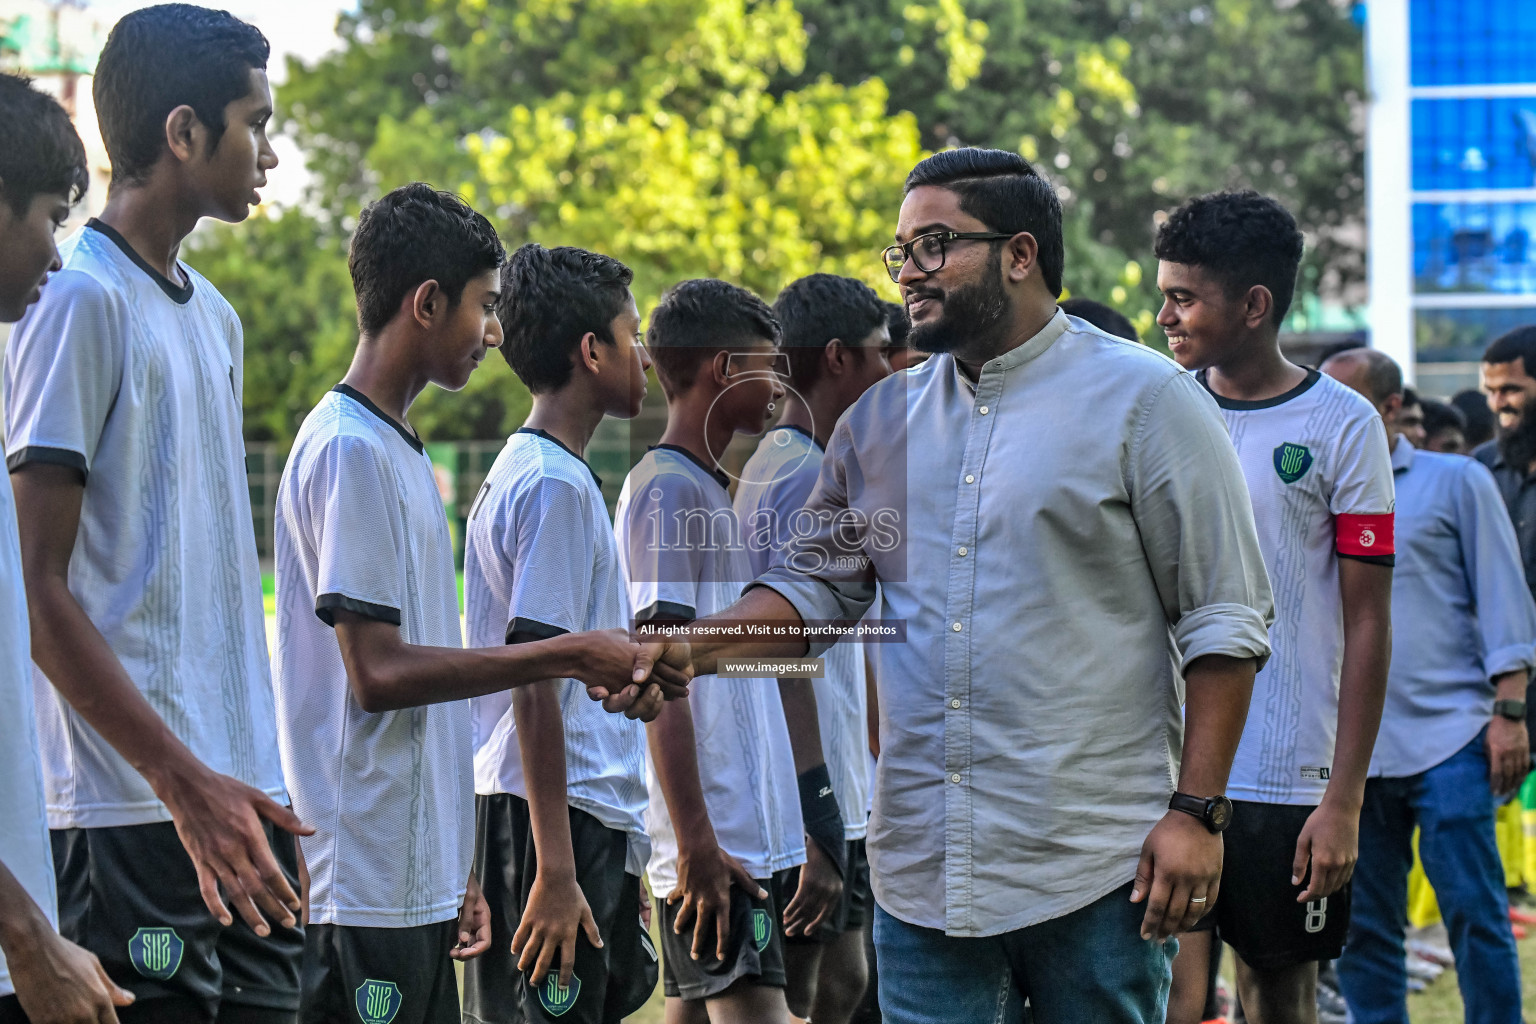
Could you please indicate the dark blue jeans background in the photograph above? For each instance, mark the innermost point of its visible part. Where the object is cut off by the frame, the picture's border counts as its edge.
(1090, 966)
(1454, 809)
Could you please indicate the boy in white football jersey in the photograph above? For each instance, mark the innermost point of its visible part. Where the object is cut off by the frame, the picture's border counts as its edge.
(835, 336)
(372, 680)
(123, 439)
(41, 176)
(724, 814)
(1315, 457)
(560, 784)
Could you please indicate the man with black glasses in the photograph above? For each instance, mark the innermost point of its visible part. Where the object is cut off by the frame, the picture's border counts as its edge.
(1027, 839)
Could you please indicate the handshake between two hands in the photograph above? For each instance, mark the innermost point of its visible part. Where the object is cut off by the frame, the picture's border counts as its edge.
(634, 678)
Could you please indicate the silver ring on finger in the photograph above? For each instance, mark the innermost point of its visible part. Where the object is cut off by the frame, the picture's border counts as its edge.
(1197, 899)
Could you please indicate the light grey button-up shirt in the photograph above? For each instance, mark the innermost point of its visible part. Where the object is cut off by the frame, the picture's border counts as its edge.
(1068, 532)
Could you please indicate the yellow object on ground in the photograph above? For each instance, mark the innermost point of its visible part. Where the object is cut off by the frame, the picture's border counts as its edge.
(1509, 827)
(1528, 829)
(1423, 909)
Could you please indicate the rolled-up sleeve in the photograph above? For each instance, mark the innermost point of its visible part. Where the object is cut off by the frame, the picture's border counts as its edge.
(1506, 615)
(1192, 509)
(807, 573)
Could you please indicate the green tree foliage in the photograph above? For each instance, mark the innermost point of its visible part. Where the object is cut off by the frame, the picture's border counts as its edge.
(1131, 106)
(648, 129)
(286, 275)
(758, 140)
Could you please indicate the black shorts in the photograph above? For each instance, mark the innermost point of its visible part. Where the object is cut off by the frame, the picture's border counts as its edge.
(380, 975)
(129, 894)
(852, 910)
(1256, 912)
(608, 984)
(754, 949)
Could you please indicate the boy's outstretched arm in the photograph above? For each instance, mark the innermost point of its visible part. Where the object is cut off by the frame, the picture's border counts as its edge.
(387, 674)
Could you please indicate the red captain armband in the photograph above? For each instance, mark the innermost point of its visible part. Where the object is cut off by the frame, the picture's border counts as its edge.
(1363, 536)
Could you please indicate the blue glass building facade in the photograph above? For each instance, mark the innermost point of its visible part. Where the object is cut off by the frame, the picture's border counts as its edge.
(1472, 153)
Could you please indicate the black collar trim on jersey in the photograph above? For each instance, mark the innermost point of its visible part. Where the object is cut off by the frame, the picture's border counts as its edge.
(1312, 377)
(367, 403)
(180, 294)
(717, 473)
(552, 439)
(801, 430)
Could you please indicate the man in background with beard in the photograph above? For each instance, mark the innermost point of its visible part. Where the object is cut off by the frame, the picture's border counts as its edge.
(1023, 842)
(1507, 380)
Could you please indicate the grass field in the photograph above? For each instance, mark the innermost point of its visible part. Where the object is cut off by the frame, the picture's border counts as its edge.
(1441, 1002)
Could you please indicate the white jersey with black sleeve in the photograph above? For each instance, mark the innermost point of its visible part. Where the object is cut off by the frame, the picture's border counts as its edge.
(774, 485)
(1320, 477)
(361, 528)
(135, 381)
(684, 558)
(540, 559)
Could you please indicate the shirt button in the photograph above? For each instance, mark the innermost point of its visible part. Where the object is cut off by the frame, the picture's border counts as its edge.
(962, 551)
(955, 777)
(955, 703)
(956, 627)
(970, 478)
(983, 410)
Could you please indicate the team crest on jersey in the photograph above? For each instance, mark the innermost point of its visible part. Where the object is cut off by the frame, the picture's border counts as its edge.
(1292, 461)
(760, 929)
(156, 952)
(557, 998)
(378, 1001)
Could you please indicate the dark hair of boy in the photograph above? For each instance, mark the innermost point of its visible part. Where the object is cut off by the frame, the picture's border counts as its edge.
(52, 162)
(898, 323)
(1411, 397)
(1480, 423)
(818, 308)
(1240, 238)
(696, 319)
(1004, 192)
(413, 234)
(160, 58)
(1110, 321)
(550, 300)
(1440, 416)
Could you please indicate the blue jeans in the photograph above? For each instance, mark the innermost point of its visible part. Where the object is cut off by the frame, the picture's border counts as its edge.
(1090, 966)
(1454, 808)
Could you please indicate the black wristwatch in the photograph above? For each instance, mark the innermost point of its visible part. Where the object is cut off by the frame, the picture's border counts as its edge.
(1214, 812)
(1512, 709)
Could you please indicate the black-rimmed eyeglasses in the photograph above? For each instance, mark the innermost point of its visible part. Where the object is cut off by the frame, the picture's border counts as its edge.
(928, 251)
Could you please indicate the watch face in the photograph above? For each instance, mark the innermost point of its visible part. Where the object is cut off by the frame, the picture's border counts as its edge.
(1219, 813)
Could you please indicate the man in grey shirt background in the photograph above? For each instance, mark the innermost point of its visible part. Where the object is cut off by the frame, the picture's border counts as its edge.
(1062, 592)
